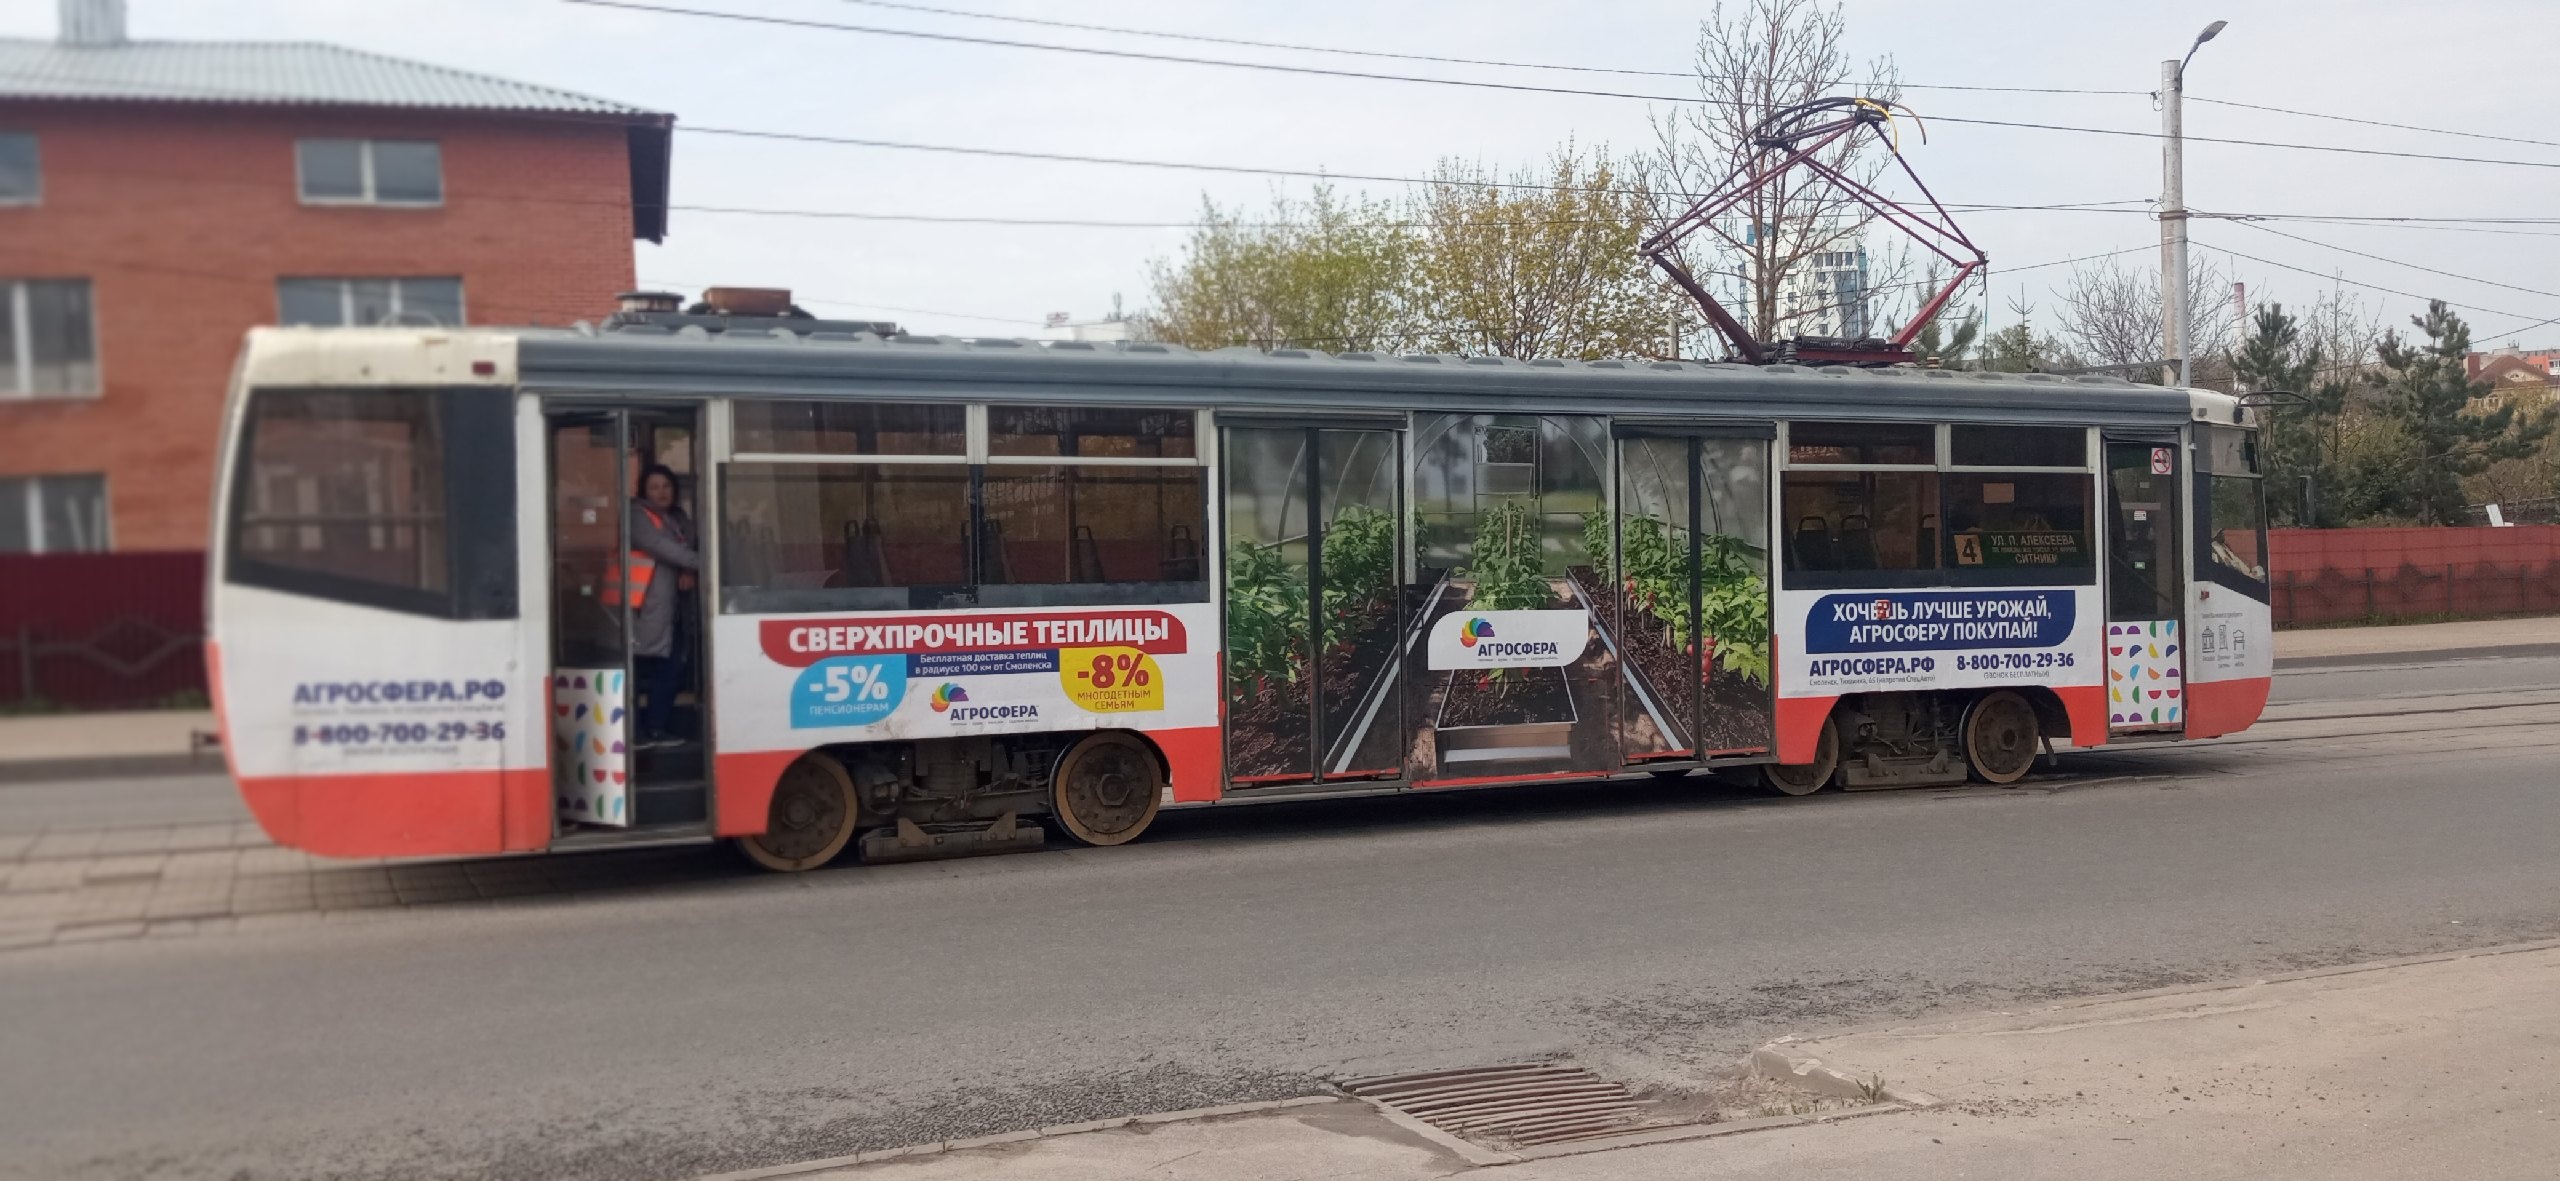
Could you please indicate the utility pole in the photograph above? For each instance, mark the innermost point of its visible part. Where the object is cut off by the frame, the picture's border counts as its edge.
(2176, 337)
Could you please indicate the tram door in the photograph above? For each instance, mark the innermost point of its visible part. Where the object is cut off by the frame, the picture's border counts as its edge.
(625, 629)
(1315, 541)
(2145, 586)
(1689, 618)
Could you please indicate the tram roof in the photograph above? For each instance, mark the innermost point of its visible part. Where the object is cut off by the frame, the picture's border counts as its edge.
(656, 362)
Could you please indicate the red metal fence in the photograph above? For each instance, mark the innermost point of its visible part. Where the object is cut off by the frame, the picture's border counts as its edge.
(2339, 575)
(107, 631)
(101, 631)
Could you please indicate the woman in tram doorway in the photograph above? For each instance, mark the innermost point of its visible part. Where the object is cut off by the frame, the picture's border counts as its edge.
(662, 534)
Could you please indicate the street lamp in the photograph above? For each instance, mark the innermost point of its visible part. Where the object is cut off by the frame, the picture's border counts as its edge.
(2175, 337)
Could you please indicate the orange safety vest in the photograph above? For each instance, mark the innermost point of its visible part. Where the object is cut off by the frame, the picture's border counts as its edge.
(636, 571)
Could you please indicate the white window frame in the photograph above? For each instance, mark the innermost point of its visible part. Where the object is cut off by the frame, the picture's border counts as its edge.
(364, 171)
(347, 295)
(36, 197)
(22, 365)
(34, 500)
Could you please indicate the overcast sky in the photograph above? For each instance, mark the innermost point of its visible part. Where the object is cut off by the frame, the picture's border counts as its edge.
(2470, 65)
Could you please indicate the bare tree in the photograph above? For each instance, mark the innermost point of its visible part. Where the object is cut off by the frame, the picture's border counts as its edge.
(1754, 59)
(2111, 315)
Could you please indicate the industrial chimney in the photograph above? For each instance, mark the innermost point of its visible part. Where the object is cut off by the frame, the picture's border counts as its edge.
(92, 22)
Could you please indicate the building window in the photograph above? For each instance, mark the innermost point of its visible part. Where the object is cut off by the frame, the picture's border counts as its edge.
(48, 342)
(368, 303)
(53, 514)
(21, 176)
(370, 172)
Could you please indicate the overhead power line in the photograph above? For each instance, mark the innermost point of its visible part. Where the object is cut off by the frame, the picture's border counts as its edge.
(2335, 118)
(2335, 278)
(1207, 39)
(1522, 87)
(2264, 229)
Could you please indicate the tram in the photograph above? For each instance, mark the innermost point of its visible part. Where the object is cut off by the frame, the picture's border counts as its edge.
(803, 586)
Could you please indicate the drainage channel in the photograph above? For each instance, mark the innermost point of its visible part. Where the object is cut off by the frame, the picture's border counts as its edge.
(1525, 1105)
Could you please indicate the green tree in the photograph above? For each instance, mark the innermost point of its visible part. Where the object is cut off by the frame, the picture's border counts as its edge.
(1953, 348)
(2298, 411)
(2427, 395)
(1326, 273)
(1544, 266)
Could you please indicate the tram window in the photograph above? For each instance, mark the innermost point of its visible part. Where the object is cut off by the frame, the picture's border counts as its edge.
(1072, 534)
(839, 536)
(1862, 443)
(1861, 528)
(1091, 432)
(2017, 446)
(2236, 547)
(2033, 522)
(399, 499)
(763, 427)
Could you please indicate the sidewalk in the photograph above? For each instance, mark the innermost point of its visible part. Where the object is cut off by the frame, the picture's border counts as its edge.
(36, 746)
(2434, 1067)
(2470, 636)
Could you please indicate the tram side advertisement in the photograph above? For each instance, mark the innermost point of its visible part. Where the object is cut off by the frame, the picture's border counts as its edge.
(854, 678)
(1835, 642)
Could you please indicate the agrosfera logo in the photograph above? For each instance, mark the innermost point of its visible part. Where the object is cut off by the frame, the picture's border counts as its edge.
(1474, 630)
(1508, 639)
(952, 702)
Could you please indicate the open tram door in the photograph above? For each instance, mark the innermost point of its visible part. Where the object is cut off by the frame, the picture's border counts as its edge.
(629, 686)
(2146, 581)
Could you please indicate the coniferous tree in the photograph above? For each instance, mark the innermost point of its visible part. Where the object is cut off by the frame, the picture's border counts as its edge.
(2427, 394)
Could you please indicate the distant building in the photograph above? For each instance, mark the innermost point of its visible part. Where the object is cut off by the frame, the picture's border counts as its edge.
(1826, 295)
(160, 198)
(2521, 380)
(2546, 361)
(1061, 326)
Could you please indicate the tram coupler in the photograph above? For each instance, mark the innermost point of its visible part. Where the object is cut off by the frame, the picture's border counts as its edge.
(909, 841)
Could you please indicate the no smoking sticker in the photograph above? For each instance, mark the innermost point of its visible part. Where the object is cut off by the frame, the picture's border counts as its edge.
(2160, 461)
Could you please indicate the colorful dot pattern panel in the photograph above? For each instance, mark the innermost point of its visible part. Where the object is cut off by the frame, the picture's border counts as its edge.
(590, 767)
(2146, 687)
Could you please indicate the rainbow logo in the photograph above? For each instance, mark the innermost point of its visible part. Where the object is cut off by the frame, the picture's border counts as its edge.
(946, 694)
(1475, 629)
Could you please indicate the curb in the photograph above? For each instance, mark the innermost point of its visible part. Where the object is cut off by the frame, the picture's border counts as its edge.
(21, 771)
(2177, 990)
(2286, 664)
(939, 1147)
(1810, 1074)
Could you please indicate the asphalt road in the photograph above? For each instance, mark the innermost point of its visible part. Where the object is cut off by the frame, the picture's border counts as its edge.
(1654, 930)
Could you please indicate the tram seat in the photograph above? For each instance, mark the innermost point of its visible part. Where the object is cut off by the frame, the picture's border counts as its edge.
(1181, 561)
(1085, 556)
(1857, 543)
(865, 562)
(1814, 550)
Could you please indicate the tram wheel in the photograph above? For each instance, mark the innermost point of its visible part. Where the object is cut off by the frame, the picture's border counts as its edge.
(811, 818)
(2001, 737)
(1804, 779)
(1106, 790)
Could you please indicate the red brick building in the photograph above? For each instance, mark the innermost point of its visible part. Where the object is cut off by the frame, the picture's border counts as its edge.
(159, 199)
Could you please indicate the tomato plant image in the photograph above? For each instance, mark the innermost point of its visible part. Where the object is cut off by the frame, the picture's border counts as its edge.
(1266, 661)
(1506, 572)
(1720, 649)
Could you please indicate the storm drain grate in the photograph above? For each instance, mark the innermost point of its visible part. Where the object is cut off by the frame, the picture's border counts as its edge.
(1524, 1105)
